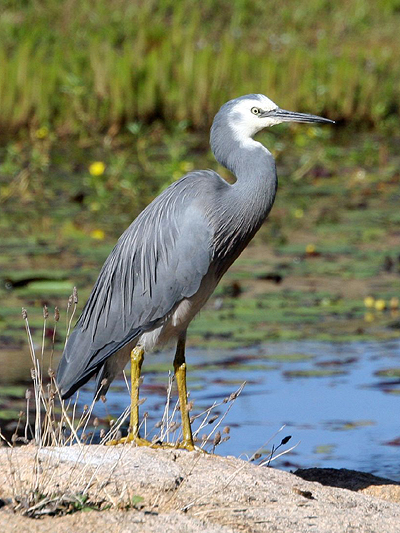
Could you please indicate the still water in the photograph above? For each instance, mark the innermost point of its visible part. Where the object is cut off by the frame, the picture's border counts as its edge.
(340, 401)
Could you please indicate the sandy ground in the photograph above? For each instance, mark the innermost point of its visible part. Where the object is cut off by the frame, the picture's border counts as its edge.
(147, 490)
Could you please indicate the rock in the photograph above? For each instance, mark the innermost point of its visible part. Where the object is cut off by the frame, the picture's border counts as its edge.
(383, 488)
(167, 490)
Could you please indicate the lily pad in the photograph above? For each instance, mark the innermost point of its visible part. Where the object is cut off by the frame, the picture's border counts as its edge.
(325, 449)
(389, 373)
(312, 373)
(12, 391)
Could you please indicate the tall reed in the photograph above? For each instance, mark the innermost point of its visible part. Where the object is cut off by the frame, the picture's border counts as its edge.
(79, 65)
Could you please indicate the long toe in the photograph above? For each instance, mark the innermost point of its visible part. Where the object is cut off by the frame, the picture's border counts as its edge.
(186, 445)
(130, 439)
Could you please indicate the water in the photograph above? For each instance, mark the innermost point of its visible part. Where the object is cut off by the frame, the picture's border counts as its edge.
(329, 395)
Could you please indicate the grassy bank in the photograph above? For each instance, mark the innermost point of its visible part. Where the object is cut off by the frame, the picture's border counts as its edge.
(79, 66)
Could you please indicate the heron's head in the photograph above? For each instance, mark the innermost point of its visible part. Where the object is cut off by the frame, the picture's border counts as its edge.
(247, 115)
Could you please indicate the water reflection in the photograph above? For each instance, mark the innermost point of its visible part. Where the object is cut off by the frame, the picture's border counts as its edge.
(330, 396)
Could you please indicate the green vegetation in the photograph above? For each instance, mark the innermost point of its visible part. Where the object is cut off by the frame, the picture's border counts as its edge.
(79, 66)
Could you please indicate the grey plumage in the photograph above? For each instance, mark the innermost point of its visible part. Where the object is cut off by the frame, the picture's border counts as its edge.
(169, 261)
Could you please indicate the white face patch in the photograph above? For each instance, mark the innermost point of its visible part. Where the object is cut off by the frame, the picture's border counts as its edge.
(244, 123)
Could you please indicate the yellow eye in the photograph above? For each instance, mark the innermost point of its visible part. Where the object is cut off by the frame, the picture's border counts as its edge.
(255, 110)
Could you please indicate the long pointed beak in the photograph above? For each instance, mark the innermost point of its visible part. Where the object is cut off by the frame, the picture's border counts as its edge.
(291, 116)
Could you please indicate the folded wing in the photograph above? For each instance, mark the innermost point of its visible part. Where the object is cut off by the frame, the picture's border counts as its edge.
(159, 260)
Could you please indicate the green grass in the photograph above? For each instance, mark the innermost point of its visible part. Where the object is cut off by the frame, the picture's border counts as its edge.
(78, 66)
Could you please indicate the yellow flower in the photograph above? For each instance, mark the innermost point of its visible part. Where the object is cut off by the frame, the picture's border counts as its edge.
(369, 317)
(97, 234)
(97, 168)
(298, 213)
(369, 301)
(380, 305)
(394, 303)
(42, 132)
(310, 249)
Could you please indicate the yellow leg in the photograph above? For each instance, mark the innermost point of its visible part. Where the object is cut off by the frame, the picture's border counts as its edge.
(137, 356)
(136, 368)
(180, 375)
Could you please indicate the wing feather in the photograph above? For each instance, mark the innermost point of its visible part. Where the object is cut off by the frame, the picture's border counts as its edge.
(159, 260)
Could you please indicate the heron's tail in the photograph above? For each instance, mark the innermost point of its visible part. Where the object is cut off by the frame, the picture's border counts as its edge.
(81, 360)
(74, 369)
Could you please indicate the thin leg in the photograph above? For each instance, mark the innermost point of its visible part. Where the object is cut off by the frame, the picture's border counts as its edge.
(180, 375)
(137, 356)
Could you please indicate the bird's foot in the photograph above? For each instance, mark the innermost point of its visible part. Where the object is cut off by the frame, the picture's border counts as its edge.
(186, 445)
(139, 441)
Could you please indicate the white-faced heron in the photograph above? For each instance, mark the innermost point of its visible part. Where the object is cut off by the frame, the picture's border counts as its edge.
(168, 262)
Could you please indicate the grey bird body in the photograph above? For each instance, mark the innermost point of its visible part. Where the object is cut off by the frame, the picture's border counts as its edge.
(168, 262)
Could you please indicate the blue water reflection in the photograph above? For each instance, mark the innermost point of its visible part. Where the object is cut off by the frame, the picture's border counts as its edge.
(329, 395)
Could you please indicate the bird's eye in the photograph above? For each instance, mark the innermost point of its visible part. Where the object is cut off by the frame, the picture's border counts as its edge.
(255, 110)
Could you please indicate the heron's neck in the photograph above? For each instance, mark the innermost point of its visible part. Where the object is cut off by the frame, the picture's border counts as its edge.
(245, 204)
(254, 168)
